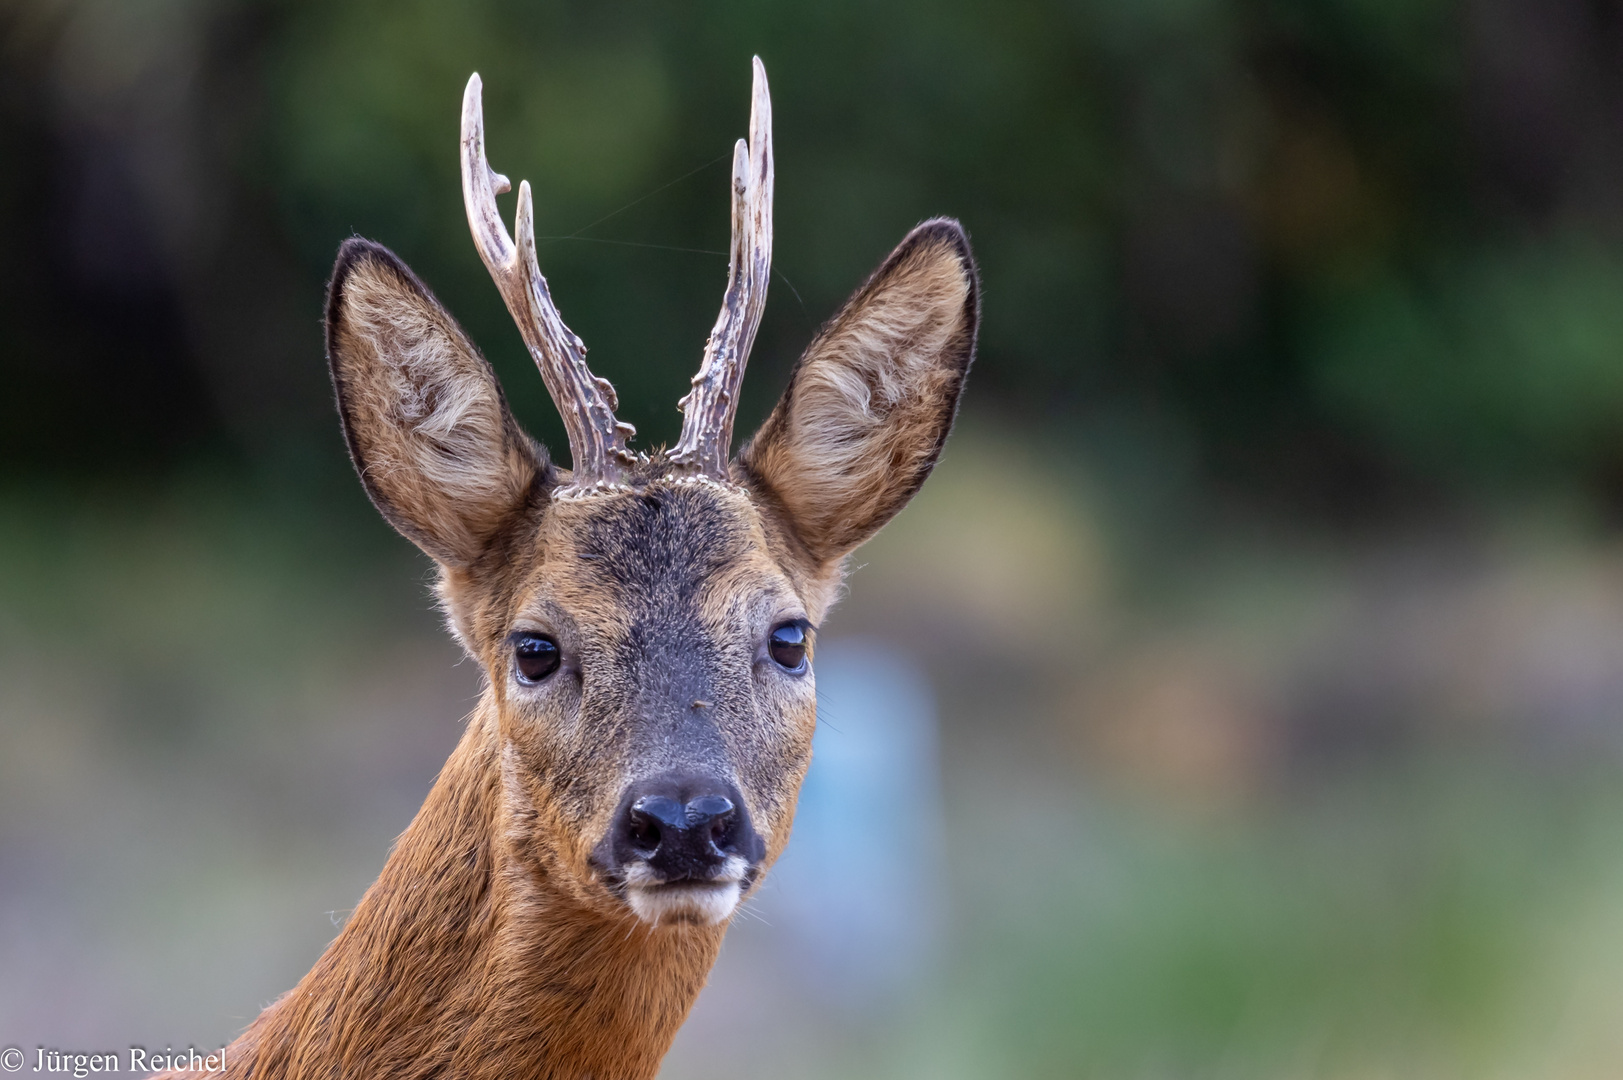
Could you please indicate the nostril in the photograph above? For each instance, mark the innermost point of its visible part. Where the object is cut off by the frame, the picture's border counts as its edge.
(646, 816)
(712, 816)
(643, 831)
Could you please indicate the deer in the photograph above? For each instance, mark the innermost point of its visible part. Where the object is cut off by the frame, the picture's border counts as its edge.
(645, 627)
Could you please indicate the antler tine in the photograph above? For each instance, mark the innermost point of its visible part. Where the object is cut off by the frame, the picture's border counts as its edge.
(597, 441)
(709, 408)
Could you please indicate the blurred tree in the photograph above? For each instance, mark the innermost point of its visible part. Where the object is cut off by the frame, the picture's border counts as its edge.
(1324, 249)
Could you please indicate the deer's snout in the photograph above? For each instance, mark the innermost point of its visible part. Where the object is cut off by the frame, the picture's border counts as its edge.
(682, 841)
(684, 847)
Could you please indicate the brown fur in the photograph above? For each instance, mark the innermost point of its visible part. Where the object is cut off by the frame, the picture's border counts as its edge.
(492, 945)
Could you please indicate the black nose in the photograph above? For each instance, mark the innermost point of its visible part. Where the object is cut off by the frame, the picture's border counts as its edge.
(682, 827)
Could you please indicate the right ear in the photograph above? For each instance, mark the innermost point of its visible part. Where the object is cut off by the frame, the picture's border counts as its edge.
(870, 403)
(428, 428)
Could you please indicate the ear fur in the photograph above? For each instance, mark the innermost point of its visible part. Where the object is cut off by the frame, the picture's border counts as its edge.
(871, 401)
(428, 428)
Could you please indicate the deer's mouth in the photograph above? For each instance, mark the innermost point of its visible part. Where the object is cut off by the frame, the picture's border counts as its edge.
(657, 900)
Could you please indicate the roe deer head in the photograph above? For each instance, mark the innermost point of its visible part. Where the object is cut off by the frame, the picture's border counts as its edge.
(645, 625)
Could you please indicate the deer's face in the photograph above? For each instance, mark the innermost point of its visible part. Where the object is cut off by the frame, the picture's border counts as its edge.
(650, 653)
(646, 622)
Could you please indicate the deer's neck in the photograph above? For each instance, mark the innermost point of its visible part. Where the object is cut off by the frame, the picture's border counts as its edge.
(461, 961)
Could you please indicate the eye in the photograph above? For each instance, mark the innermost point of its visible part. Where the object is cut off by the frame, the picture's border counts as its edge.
(788, 646)
(536, 656)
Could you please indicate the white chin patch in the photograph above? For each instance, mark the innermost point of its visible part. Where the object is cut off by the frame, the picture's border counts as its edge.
(708, 902)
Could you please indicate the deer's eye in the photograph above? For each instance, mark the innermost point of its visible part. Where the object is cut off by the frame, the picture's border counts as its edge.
(536, 656)
(788, 646)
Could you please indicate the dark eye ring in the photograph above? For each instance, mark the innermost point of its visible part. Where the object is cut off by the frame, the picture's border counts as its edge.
(787, 646)
(536, 656)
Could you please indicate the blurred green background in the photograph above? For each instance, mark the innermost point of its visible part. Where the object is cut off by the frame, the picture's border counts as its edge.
(1271, 591)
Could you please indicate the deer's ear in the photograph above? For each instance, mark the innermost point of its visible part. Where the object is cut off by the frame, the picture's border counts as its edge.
(870, 403)
(428, 428)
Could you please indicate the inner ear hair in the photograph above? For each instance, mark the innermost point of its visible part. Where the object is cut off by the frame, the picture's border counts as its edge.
(428, 428)
(871, 401)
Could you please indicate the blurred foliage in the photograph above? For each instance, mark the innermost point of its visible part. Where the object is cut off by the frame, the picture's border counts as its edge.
(1507, 361)
(1326, 250)
(1403, 925)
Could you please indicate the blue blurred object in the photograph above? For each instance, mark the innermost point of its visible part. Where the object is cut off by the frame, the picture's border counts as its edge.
(859, 893)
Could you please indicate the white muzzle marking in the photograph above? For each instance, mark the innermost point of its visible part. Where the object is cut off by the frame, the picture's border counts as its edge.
(708, 902)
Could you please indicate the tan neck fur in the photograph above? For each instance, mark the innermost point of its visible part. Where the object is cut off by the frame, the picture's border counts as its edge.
(462, 961)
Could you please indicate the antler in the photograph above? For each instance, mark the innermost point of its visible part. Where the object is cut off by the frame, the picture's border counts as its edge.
(709, 408)
(597, 441)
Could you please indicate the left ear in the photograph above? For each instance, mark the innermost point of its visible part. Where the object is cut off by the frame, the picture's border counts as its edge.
(429, 431)
(870, 403)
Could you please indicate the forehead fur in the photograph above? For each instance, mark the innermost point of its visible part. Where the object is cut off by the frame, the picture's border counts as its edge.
(659, 546)
(652, 543)
(665, 537)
